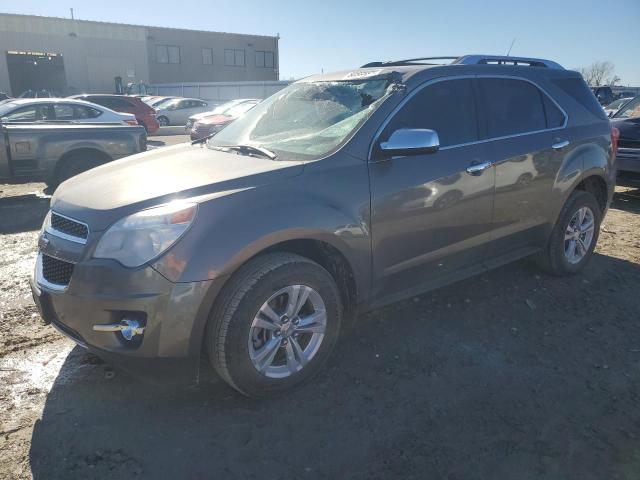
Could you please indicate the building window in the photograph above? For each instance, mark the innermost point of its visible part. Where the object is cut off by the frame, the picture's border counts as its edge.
(207, 56)
(264, 59)
(167, 54)
(234, 58)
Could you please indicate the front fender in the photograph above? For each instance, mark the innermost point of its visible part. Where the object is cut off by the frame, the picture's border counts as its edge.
(230, 230)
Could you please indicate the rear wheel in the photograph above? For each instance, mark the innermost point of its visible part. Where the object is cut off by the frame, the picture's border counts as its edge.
(275, 325)
(574, 236)
(74, 165)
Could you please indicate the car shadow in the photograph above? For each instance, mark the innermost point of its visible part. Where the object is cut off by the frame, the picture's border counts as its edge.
(627, 200)
(509, 374)
(23, 213)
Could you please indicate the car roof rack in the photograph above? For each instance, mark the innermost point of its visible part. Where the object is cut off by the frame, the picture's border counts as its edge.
(472, 60)
(409, 61)
(506, 60)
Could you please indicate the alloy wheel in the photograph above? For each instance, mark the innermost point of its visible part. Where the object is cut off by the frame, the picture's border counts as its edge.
(287, 331)
(579, 235)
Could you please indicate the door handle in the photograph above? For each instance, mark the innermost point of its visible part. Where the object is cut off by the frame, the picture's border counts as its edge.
(477, 168)
(560, 144)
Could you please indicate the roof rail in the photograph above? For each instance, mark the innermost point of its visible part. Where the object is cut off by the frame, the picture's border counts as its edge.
(506, 60)
(409, 61)
(471, 60)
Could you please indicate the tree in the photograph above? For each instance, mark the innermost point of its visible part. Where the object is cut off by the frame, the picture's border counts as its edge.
(599, 73)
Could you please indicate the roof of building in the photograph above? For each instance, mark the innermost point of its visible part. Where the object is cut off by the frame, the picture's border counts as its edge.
(277, 36)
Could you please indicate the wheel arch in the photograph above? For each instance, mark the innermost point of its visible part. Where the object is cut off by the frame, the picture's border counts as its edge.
(78, 153)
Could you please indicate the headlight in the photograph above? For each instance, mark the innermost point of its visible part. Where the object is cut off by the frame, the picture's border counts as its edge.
(47, 223)
(143, 236)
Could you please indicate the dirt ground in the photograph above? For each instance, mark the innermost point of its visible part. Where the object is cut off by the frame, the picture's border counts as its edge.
(511, 375)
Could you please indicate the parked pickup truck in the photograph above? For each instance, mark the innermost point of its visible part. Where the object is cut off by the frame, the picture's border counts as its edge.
(54, 152)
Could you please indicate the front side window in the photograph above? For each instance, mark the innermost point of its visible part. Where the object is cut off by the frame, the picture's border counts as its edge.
(629, 110)
(24, 114)
(511, 107)
(448, 107)
(306, 120)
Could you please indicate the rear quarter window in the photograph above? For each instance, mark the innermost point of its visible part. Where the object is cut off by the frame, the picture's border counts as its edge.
(577, 89)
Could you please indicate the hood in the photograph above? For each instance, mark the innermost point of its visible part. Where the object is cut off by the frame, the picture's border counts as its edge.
(104, 194)
(215, 120)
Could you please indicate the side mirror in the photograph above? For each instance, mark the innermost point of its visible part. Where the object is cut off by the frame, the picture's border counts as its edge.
(410, 141)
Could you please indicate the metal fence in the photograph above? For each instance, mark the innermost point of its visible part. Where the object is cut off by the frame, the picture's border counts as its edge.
(219, 92)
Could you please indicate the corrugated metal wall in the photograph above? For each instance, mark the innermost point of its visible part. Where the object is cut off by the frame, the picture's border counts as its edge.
(219, 92)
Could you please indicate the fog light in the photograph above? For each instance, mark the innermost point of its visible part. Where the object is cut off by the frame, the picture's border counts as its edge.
(129, 329)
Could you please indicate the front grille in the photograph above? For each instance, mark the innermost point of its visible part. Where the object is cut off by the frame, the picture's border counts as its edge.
(56, 271)
(69, 227)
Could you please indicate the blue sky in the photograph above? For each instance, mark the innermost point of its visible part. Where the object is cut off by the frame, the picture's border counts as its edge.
(333, 35)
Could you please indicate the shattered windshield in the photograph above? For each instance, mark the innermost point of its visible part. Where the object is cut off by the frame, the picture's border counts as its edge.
(306, 120)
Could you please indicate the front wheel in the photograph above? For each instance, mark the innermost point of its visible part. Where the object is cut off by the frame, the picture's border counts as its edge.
(275, 324)
(163, 121)
(574, 236)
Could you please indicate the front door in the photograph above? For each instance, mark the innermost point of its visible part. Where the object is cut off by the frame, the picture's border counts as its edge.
(430, 217)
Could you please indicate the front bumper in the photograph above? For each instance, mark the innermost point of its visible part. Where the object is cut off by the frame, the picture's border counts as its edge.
(103, 292)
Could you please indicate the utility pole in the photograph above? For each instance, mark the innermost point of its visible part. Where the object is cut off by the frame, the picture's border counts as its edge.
(71, 13)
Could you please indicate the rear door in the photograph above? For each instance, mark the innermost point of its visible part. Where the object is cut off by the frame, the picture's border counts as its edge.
(430, 218)
(523, 125)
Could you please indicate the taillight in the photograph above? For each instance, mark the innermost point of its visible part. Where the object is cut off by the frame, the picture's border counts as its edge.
(132, 122)
(615, 136)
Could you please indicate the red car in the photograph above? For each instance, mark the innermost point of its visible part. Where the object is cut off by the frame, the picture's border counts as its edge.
(145, 115)
(212, 124)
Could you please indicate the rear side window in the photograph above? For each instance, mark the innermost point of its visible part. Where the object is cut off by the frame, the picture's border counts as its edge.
(63, 112)
(577, 89)
(447, 107)
(511, 107)
(86, 112)
(555, 117)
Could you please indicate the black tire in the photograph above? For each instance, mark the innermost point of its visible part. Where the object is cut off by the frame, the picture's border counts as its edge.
(552, 258)
(229, 326)
(163, 121)
(74, 165)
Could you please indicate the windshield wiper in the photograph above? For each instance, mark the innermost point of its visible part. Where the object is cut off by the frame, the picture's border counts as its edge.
(247, 150)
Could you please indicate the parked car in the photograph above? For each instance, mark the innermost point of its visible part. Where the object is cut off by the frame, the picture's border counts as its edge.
(145, 115)
(258, 244)
(61, 110)
(207, 126)
(604, 94)
(178, 111)
(614, 106)
(158, 101)
(220, 109)
(52, 153)
(627, 121)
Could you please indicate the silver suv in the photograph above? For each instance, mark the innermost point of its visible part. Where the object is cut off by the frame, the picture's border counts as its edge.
(339, 194)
